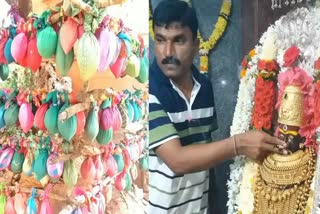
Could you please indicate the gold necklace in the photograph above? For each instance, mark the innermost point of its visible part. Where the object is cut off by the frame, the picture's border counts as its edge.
(281, 188)
(217, 32)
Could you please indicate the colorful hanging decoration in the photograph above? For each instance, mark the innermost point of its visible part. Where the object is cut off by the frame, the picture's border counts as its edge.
(46, 36)
(50, 135)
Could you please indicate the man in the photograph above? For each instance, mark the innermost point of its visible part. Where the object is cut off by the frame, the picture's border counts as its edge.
(182, 117)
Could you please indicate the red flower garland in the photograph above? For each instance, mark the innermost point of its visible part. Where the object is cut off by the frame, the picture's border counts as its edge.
(264, 100)
(268, 65)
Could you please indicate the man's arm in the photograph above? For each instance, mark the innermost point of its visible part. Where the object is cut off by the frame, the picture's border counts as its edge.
(193, 158)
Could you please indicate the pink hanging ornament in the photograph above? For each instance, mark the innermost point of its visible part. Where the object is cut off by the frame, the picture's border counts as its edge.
(20, 203)
(112, 166)
(117, 120)
(81, 122)
(120, 182)
(106, 119)
(120, 64)
(26, 117)
(101, 203)
(33, 57)
(9, 204)
(98, 166)
(46, 207)
(126, 158)
(68, 34)
(19, 47)
(88, 170)
(55, 170)
(39, 116)
(6, 157)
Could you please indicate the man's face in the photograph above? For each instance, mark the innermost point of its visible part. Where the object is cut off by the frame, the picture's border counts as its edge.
(290, 134)
(174, 49)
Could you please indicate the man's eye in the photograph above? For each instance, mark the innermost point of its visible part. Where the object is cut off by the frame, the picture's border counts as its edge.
(180, 40)
(159, 40)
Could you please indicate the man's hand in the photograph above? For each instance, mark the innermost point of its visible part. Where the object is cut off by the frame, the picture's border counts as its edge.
(193, 158)
(257, 145)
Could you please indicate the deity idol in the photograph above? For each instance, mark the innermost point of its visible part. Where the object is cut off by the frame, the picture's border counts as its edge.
(282, 183)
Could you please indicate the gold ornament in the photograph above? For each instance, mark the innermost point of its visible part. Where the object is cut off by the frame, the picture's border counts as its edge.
(283, 183)
(291, 109)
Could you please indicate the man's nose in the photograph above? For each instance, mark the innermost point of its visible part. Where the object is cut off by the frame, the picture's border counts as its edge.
(169, 49)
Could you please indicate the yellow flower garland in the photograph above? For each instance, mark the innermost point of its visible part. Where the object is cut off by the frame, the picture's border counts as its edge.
(206, 46)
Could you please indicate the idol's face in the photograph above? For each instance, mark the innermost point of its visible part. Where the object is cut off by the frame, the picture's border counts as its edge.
(290, 135)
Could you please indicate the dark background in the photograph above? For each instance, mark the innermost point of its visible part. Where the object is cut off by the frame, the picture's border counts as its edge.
(248, 20)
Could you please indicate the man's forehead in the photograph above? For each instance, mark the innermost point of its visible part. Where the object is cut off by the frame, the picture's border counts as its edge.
(171, 26)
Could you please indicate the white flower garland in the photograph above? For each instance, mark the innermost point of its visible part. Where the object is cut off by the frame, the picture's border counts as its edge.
(299, 27)
(246, 196)
(241, 123)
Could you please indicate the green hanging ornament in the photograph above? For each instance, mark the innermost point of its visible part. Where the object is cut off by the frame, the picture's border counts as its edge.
(120, 161)
(67, 128)
(4, 72)
(64, 61)
(40, 163)
(144, 163)
(133, 67)
(128, 182)
(17, 161)
(105, 136)
(144, 71)
(51, 116)
(11, 115)
(70, 174)
(92, 123)
(46, 36)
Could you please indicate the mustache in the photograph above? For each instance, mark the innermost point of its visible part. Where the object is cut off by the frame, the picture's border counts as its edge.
(171, 60)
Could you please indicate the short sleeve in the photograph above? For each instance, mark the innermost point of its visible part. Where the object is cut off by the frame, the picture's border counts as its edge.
(161, 129)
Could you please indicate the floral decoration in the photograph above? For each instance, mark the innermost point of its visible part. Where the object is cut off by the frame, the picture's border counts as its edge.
(245, 62)
(289, 46)
(290, 56)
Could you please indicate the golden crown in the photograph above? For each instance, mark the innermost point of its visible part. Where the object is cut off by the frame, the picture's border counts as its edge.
(291, 107)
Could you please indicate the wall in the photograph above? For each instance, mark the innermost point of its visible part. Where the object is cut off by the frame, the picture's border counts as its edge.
(224, 61)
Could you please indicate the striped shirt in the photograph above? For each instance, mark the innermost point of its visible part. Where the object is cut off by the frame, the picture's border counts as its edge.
(172, 116)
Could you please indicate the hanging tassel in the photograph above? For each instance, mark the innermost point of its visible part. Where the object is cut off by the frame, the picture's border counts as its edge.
(46, 207)
(101, 203)
(20, 201)
(32, 205)
(9, 204)
(67, 210)
(3, 198)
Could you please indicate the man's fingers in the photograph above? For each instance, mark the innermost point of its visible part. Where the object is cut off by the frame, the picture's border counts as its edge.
(276, 141)
(276, 149)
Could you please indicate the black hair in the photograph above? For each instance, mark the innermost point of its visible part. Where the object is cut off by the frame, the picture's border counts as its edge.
(169, 11)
